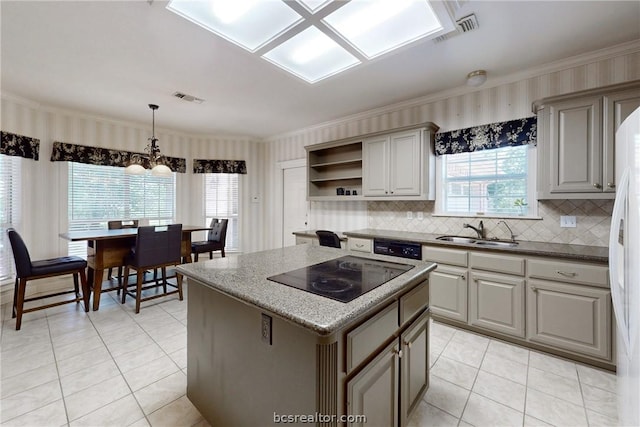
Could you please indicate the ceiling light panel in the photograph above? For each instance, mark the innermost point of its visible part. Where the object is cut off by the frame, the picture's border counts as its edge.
(248, 23)
(378, 26)
(311, 55)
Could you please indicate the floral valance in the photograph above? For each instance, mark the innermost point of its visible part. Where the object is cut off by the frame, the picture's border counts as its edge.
(13, 144)
(494, 135)
(219, 166)
(63, 152)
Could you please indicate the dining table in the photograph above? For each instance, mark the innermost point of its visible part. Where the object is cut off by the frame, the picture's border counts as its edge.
(107, 248)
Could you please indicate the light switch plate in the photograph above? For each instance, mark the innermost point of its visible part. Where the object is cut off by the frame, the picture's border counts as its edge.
(567, 221)
(266, 329)
(409, 215)
(420, 215)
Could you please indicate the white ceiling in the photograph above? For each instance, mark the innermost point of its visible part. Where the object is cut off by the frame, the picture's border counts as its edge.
(112, 58)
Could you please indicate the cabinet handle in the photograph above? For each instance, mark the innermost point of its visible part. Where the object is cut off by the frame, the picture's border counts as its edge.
(407, 343)
(463, 277)
(611, 185)
(533, 288)
(359, 245)
(597, 185)
(566, 273)
(398, 352)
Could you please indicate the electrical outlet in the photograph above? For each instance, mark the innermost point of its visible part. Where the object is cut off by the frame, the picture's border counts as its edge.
(567, 221)
(409, 215)
(266, 329)
(420, 215)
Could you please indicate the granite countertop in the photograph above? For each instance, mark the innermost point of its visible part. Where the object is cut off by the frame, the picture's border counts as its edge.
(244, 277)
(555, 250)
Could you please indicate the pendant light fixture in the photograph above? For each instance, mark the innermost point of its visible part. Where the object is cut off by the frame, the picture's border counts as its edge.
(153, 156)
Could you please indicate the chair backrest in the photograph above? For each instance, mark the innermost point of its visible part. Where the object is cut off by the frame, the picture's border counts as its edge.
(328, 238)
(120, 224)
(20, 254)
(158, 245)
(218, 232)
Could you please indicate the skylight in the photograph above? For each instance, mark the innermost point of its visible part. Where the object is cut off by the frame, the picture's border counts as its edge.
(315, 39)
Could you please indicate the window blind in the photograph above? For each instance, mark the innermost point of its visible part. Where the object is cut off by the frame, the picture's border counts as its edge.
(490, 181)
(10, 191)
(98, 194)
(221, 200)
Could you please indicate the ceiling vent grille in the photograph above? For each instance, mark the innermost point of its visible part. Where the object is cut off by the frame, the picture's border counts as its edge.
(467, 23)
(189, 98)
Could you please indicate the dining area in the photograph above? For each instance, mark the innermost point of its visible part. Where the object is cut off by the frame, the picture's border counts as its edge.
(141, 256)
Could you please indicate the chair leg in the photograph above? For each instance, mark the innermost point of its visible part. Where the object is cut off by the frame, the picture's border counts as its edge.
(179, 281)
(85, 290)
(139, 276)
(15, 296)
(76, 287)
(124, 285)
(120, 275)
(222, 251)
(20, 303)
(164, 279)
(196, 257)
(210, 254)
(110, 273)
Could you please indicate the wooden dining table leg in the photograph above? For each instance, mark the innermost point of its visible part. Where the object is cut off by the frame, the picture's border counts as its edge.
(97, 287)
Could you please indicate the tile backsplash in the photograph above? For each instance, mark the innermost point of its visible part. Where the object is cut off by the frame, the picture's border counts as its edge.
(593, 219)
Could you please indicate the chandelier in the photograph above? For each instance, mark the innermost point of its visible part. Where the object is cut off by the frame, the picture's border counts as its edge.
(152, 158)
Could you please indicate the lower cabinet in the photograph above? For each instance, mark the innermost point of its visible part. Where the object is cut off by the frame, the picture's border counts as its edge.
(448, 297)
(571, 317)
(374, 391)
(390, 386)
(497, 302)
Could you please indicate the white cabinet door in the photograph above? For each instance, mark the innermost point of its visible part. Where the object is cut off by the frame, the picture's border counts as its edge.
(570, 317)
(375, 166)
(373, 392)
(448, 292)
(575, 145)
(496, 302)
(405, 160)
(414, 367)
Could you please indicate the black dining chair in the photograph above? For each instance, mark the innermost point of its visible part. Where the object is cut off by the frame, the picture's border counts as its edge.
(156, 247)
(119, 225)
(216, 239)
(29, 270)
(328, 238)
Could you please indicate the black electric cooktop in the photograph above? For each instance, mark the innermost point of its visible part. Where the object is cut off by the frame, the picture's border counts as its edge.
(342, 279)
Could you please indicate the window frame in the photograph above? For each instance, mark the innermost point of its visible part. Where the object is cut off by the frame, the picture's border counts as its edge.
(532, 202)
(13, 191)
(229, 248)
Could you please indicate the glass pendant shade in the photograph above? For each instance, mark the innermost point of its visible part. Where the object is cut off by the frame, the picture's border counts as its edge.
(135, 169)
(161, 170)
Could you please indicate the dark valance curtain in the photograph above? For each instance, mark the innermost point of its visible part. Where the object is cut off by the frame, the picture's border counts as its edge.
(495, 135)
(219, 166)
(13, 144)
(63, 152)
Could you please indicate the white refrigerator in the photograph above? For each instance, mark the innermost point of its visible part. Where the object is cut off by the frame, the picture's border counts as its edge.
(624, 268)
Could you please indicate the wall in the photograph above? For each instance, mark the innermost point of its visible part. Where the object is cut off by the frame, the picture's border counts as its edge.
(44, 190)
(499, 100)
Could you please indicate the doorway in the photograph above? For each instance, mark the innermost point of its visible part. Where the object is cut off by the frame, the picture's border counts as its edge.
(295, 208)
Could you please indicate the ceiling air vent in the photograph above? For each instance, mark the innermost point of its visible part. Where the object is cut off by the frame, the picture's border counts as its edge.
(189, 98)
(467, 23)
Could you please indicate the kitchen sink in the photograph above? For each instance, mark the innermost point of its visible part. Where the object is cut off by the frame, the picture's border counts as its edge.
(471, 240)
(495, 243)
(457, 239)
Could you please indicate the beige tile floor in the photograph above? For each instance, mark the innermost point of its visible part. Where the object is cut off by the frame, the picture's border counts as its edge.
(113, 367)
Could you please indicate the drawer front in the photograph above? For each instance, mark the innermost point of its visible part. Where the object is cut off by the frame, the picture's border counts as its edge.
(366, 338)
(497, 262)
(571, 272)
(301, 240)
(359, 245)
(444, 256)
(414, 301)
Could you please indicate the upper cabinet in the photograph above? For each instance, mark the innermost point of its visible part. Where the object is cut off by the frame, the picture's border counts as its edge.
(398, 164)
(576, 146)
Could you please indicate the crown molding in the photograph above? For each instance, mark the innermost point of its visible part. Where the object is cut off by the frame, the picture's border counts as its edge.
(551, 67)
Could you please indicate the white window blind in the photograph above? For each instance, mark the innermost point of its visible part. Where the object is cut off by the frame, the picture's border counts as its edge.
(221, 200)
(10, 192)
(493, 182)
(98, 194)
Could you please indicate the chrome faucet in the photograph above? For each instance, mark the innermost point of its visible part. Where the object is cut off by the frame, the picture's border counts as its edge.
(513, 236)
(479, 230)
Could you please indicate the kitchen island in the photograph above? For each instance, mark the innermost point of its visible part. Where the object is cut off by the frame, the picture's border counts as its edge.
(259, 352)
